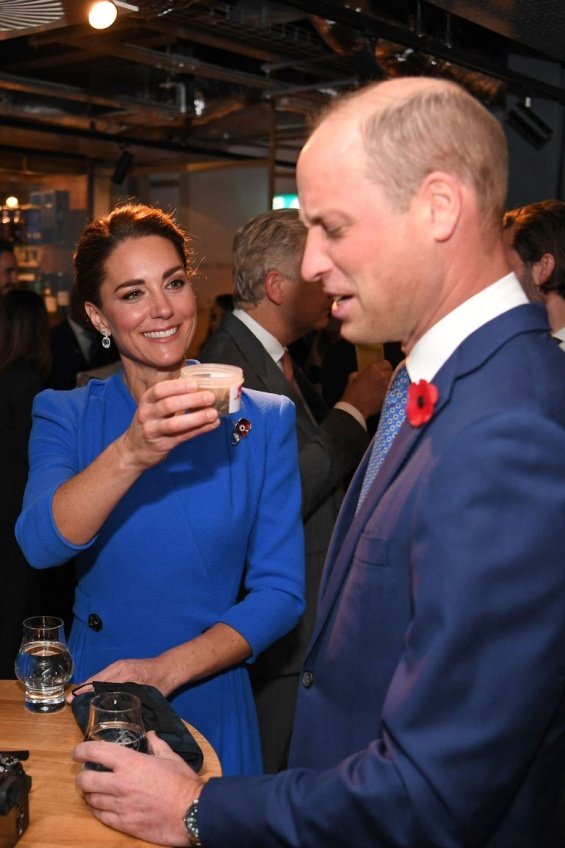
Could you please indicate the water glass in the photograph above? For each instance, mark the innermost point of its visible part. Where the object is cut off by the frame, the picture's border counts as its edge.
(116, 717)
(44, 664)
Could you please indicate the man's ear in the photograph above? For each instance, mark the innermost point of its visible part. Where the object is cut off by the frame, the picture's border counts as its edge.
(95, 317)
(543, 269)
(441, 195)
(274, 289)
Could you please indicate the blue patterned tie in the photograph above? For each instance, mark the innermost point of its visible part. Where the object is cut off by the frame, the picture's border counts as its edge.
(392, 415)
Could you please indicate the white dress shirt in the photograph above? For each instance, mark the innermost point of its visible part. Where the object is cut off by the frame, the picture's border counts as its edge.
(436, 346)
(560, 336)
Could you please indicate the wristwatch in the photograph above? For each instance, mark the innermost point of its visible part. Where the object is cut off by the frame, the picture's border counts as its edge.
(191, 825)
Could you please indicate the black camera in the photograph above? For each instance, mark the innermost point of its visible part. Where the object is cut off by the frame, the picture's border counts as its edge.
(14, 807)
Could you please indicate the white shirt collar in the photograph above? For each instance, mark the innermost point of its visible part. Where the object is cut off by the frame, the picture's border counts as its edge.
(273, 347)
(436, 346)
(559, 334)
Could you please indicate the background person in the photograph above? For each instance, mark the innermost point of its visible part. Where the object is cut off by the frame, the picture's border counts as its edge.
(137, 477)
(535, 239)
(8, 266)
(432, 704)
(24, 364)
(275, 306)
(75, 346)
(223, 303)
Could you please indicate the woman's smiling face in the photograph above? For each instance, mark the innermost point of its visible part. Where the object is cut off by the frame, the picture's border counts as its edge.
(147, 305)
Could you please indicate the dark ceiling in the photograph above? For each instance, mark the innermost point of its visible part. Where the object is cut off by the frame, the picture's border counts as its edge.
(175, 82)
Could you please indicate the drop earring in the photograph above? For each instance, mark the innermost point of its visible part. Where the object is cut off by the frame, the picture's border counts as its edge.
(106, 339)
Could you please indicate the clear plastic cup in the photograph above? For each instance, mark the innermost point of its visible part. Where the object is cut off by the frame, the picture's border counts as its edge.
(224, 380)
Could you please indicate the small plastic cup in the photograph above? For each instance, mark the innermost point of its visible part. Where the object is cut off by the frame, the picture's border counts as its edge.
(224, 380)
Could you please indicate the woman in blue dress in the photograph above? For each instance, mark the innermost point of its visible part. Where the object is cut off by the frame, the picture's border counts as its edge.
(187, 536)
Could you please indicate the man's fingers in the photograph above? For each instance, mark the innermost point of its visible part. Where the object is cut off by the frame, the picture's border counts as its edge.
(107, 754)
(159, 747)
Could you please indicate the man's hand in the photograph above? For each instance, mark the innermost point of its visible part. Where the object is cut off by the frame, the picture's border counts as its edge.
(145, 796)
(366, 389)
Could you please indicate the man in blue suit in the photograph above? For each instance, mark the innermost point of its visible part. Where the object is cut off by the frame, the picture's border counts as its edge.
(432, 707)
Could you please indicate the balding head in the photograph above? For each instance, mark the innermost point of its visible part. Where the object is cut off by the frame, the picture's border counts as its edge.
(414, 126)
(402, 187)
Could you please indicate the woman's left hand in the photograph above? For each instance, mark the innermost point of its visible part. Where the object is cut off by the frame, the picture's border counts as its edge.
(151, 671)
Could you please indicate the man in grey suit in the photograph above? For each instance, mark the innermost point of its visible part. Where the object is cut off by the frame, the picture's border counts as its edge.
(275, 306)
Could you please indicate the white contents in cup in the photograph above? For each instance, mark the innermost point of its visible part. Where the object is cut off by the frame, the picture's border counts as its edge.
(224, 380)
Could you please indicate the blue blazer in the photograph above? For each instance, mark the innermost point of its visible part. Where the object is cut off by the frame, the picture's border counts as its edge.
(432, 704)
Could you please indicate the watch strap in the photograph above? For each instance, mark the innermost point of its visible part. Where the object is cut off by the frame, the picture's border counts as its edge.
(191, 825)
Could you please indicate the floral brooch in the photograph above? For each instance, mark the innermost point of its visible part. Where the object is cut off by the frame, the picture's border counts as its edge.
(240, 431)
(422, 399)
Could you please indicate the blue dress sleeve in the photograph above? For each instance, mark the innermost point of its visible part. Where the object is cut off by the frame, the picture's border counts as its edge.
(53, 458)
(275, 570)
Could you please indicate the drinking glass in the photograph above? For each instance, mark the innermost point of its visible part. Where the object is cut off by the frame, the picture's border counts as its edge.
(116, 717)
(44, 664)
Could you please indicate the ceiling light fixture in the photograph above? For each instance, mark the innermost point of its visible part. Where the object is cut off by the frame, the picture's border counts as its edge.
(123, 166)
(102, 14)
(529, 125)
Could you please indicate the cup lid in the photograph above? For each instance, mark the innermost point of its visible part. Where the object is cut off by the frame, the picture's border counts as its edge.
(213, 371)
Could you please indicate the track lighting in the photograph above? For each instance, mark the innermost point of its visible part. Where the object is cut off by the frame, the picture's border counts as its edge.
(529, 125)
(102, 14)
(122, 168)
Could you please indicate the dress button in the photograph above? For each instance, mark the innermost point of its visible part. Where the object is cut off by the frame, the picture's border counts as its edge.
(94, 622)
(307, 679)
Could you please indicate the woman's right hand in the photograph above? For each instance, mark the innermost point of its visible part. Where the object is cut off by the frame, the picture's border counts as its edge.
(168, 413)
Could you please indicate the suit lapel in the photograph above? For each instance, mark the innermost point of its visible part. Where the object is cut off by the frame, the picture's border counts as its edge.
(349, 525)
(470, 355)
(267, 373)
(257, 363)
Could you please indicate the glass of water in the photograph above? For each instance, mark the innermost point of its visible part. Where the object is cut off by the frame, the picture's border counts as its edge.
(44, 664)
(116, 717)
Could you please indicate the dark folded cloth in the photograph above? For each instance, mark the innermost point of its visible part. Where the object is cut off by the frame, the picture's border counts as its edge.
(158, 715)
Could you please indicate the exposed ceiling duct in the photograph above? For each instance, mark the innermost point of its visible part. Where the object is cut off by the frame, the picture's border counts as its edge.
(178, 81)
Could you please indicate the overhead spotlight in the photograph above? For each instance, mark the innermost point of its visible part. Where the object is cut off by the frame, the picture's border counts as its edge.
(122, 168)
(529, 125)
(102, 14)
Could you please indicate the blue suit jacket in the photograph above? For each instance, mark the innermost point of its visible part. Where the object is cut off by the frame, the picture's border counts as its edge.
(432, 709)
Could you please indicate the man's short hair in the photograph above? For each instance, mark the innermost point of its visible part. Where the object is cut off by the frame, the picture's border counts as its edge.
(436, 128)
(272, 241)
(536, 229)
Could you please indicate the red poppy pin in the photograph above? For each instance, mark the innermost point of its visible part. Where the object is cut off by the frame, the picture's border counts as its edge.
(422, 398)
(240, 431)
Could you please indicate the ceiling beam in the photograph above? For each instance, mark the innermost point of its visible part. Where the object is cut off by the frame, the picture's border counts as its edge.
(176, 63)
(203, 148)
(376, 27)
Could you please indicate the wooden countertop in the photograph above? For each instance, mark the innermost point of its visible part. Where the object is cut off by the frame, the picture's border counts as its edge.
(59, 818)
